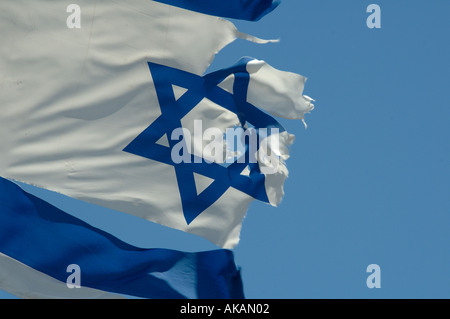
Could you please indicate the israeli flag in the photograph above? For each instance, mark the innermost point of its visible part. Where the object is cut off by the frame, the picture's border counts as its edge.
(112, 107)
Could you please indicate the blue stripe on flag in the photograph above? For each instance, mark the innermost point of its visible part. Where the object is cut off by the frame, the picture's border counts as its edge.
(251, 10)
(47, 239)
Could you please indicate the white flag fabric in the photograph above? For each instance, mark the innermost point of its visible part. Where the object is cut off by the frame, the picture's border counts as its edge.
(88, 112)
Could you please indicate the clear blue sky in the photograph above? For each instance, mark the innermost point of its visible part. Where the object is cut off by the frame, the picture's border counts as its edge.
(370, 177)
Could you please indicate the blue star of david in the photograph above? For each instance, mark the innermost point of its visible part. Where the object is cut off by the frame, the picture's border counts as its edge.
(173, 110)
